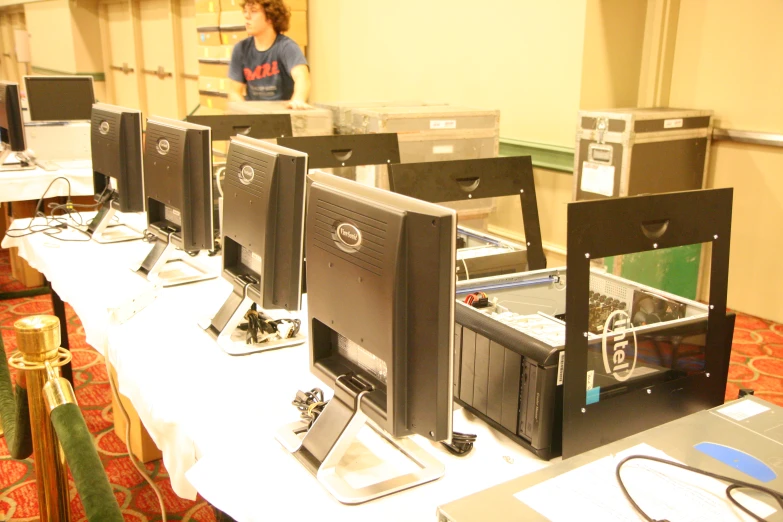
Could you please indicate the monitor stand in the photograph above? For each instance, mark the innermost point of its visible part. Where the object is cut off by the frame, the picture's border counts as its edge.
(24, 162)
(101, 231)
(334, 432)
(165, 266)
(224, 324)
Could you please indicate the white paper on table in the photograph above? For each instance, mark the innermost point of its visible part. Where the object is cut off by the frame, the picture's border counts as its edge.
(662, 491)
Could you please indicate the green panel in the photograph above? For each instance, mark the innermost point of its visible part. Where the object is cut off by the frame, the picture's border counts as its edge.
(552, 157)
(97, 76)
(674, 270)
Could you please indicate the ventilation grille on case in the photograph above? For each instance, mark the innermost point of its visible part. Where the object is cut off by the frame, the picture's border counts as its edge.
(236, 162)
(156, 133)
(371, 251)
(112, 119)
(610, 288)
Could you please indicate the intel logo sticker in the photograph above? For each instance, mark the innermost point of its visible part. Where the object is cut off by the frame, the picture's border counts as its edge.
(349, 238)
(618, 351)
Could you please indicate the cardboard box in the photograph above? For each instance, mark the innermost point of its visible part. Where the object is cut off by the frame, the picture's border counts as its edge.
(207, 6)
(214, 68)
(213, 84)
(215, 52)
(232, 37)
(207, 20)
(209, 37)
(213, 100)
(297, 30)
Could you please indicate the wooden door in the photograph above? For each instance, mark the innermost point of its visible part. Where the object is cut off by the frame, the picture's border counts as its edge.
(163, 81)
(189, 53)
(121, 39)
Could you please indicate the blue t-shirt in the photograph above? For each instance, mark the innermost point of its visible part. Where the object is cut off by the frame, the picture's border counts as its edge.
(266, 73)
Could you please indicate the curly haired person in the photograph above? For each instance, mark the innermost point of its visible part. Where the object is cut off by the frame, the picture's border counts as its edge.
(268, 65)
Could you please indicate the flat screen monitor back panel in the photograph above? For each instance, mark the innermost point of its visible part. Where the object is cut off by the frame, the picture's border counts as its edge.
(59, 98)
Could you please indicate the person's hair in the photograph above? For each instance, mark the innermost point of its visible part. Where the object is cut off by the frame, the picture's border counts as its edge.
(274, 10)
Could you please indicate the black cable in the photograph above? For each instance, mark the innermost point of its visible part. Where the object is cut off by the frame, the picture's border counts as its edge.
(733, 484)
(53, 230)
(257, 324)
(310, 404)
(461, 443)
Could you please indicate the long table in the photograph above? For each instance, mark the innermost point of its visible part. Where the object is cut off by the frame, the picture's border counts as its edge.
(213, 415)
(26, 185)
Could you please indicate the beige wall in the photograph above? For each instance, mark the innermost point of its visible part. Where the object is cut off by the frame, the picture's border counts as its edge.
(51, 40)
(521, 57)
(727, 58)
(612, 56)
(553, 192)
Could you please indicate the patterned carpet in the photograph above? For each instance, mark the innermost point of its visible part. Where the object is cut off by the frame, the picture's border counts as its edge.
(18, 494)
(756, 362)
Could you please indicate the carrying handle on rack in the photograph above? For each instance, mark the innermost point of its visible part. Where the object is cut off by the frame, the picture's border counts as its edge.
(655, 229)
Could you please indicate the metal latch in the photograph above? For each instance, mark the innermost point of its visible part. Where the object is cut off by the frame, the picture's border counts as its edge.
(125, 69)
(601, 126)
(160, 72)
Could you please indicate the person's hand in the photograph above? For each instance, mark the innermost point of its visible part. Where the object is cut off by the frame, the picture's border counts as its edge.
(298, 105)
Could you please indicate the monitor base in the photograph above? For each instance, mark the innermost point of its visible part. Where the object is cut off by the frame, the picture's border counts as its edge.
(335, 430)
(102, 233)
(223, 326)
(164, 266)
(23, 164)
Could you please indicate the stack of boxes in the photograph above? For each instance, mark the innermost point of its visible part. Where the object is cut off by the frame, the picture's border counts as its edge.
(220, 25)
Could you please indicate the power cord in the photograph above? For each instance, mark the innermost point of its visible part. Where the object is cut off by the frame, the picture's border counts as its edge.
(127, 444)
(465, 265)
(311, 403)
(56, 223)
(461, 443)
(261, 329)
(733, 484)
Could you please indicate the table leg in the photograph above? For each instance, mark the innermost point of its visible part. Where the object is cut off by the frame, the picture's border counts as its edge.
(59, 311)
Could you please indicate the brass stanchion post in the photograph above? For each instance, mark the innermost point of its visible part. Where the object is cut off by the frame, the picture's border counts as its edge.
(38, 342)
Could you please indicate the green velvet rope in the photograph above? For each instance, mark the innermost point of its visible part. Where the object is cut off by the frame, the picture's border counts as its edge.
(14, 412)
(86, 468)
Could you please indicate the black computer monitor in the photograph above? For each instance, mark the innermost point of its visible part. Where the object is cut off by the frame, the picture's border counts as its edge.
(59, 98)
(380, 270)
(259, 126)
(118, 179)
(11, 124)
(263, 230)
(181, 212)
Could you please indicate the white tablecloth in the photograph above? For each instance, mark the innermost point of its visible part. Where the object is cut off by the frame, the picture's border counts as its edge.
(93, 278)
(25, 185)
(214, 416)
